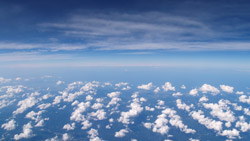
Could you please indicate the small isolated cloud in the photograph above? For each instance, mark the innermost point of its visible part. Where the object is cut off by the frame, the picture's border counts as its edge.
(146, 86)
(168, 86)
(203, 99)
(231, 133)
(93, 135)
(156, 90)
(244, 99)
(240, 92)
(121, 133)
(59, 82)
(11, 125)
(183, 87)
(4, 80)
(227, 89)
(27, 132)
(205, 88)
(193, 92)
(177, 94)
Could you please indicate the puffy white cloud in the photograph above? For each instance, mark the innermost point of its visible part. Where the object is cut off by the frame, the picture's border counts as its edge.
(146, 86)
(69, 126)
(156, 90)
(177, 94)
(205, 88)
(148, 125)
(89, 97)
(77, 114)
(59, 82)
(209, 123)
(168, 86)
(203, 99)
(65, 137)
(135, 110)
(121, 133)
(228, 124)
(11, 125)
(25, 104)
(93, 135)
(44, 106)
(121, 84)
(97, 106)
(34, 115)
(113, 101)
(242, 124)
(113, 94)
(227, 89)
(160, 102)
(240, 92)
(246, 111)
(149, 109)
(98, 115)
(175, 120)
(244, 99)
(27, 132)
(221, 110)
(86, 124)
(183, 106)
(40, 123)
(183, 87)
(4, 80)
(193, 92)
(230, 133)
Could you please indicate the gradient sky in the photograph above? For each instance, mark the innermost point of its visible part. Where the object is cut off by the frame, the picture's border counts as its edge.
(189, 33)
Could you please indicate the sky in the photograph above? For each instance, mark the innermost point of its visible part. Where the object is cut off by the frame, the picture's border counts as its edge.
(185, 33)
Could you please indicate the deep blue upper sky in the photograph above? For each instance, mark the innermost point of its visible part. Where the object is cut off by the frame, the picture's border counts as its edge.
(107, 32)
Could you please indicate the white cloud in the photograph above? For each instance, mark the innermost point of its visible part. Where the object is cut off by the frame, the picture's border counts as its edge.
(69, 126)
(193, 92)
(65, 137)
(97, 106)
(177, 94)
(121, 133)
(4, 80)
(44, 106)
(209, 123)
(205, 88)
(156, 90)
(203, 99)
(240, 92)
(86, 124)
(135, 110)
(183, 106)
(183, 87)
(146, 86)
(121, 84)
(25, 104)
(113, 94)
(230, 133)
(227, 89)
(11, 125)
(221, 110)
(242, 124)
(40, 123)
(98, 115)
(168, 86)
(77, 114)
(60, 82)
(93, 135)
(244, 99)
(27, 132)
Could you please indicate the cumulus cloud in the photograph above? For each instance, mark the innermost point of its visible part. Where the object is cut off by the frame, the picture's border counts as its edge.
(25, 104)
(177, 94)
(227, 89)
(4, 80)
(93, 135)
(230, 133)
(221, 110)
(59, 82)
(27, 132)
(146, 86)
(203, 99)
(11, 125)
(240, 92)
(135, 110)
(121, 133)
(205, 88)
(69, 126)
(209, 123)
(183, 106)
(156, 90)
(168, 86)
(77, 114)
(193, 92)
(244, 99)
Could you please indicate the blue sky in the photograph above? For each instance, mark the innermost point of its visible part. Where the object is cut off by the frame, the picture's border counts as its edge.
(125, 33)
